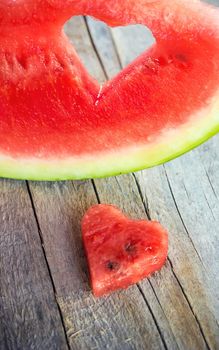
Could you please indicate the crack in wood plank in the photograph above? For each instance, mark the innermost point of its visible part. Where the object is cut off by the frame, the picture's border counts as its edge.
(94, 47)
(208, 177)
(153, 316)
(186, 191)
(144, 201)
(214, 218)
(180, 216)
(95, 190)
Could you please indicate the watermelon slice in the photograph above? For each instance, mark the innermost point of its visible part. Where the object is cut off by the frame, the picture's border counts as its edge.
(121, 251)
(56, 122)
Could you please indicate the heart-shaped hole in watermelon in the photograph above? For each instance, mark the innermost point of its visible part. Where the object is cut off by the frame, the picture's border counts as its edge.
(95, 41)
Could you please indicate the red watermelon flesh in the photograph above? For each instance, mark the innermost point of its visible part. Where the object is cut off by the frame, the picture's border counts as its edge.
(56, 122)
(121, 251)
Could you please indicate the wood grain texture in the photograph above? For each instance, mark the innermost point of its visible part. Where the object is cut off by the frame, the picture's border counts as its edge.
(29, 316)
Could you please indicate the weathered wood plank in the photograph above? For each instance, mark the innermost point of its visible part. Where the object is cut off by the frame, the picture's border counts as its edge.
(29, 316)
(77, 32)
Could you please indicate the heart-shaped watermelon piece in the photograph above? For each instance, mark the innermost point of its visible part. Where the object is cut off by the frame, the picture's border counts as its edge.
(56, 122)
(121, 251)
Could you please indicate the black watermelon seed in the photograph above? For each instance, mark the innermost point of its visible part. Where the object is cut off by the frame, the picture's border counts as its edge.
(112, 265)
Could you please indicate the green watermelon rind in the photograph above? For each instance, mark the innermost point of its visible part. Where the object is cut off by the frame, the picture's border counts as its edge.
(200, 128)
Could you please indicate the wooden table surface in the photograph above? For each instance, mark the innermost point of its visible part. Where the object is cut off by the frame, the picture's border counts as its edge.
(45, 298)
